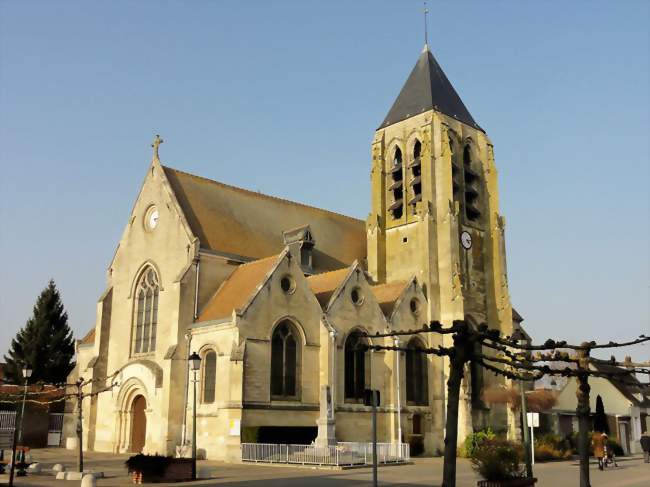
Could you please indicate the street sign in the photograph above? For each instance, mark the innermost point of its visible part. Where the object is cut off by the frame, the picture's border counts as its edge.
(533, 422)
(533, 419)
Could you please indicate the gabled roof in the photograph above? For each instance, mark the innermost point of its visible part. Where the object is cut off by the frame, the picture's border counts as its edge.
(427, 88)
(627, 384)
(387, 294)
(236, 291)
(89, 338)
(239, 222)
(323, 285)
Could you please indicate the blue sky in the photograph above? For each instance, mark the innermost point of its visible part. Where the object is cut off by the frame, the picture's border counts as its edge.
(284, 97)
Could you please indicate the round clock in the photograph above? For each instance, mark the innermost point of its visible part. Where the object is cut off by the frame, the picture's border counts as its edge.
(466, 240)
(151, 218)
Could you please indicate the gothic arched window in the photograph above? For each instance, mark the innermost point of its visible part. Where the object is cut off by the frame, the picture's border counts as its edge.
(416, 171)
(146, 312)
(209, 376)
(416, 374)
(395, 185)
(355, 366)
(284, 361)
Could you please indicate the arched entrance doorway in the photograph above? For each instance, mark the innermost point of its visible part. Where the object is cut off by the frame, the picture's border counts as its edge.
(139, 428)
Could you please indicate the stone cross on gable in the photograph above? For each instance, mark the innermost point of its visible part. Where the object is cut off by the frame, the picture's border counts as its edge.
(156, 143)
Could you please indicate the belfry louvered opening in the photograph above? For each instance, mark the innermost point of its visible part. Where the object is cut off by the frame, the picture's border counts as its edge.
(472, 203)
(416, 172)
(396, 185)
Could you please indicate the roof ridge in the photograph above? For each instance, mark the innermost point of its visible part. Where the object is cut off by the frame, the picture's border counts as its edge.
(329, 272)
(257, 261)
(256, 193)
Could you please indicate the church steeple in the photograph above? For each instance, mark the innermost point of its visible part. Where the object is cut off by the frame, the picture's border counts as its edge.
(427, 88)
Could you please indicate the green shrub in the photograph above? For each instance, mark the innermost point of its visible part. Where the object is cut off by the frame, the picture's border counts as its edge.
(474, 440)
(611, 443)
(497, 459)
(552, 447)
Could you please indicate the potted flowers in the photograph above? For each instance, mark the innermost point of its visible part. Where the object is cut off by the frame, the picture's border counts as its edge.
(499, 463)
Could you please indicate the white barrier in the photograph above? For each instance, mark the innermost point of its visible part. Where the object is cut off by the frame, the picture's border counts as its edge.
(341, 454)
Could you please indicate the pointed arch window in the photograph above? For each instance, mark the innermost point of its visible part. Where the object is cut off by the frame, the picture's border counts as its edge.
(417, 385)
(209, 376)
(284, 361)
(396, 185)
(146, 312)
(356, 362)
(416, 172)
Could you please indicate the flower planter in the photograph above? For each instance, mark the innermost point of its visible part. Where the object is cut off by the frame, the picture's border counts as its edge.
(521, 482)
(176, 470)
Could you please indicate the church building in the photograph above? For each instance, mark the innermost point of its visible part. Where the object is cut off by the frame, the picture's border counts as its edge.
(279, 298)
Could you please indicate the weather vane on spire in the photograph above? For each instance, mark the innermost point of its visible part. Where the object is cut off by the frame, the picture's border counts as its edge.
(426, 30)
(156, 143)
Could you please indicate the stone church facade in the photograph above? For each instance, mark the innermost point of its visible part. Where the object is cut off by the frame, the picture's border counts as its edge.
(278, 297)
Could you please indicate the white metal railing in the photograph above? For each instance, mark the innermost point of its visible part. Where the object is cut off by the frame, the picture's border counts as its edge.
(341, 454)
(7, 420)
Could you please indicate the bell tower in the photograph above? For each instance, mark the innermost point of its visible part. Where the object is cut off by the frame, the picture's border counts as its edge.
(435, 202)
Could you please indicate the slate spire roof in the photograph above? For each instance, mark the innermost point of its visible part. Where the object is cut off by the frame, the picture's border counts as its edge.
(427, 88)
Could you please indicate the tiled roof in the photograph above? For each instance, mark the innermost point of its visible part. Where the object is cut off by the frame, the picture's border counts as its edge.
(245, 223)
(323, 285)
(238, 289)
(427, 88)
(627, 384)
(387, 294)
(516, 317)
(89, 338)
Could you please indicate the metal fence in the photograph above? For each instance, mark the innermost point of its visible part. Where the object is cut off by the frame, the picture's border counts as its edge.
(7, 420)
(341, 454)
(7, 425)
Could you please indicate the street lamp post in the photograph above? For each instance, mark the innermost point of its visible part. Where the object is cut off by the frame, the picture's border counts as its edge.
(195, 365)
(519, 337)
(27, 373)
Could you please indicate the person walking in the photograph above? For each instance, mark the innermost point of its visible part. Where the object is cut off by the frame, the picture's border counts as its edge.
(645, 445)
(598, 441)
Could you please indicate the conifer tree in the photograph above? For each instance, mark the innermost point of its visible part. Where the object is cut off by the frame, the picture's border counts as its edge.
(600, 418)
(45, 343)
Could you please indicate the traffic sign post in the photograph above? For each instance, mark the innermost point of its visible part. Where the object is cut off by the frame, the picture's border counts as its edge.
(533, 422)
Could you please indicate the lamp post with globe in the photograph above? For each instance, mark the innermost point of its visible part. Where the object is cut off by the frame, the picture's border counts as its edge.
(195, 365)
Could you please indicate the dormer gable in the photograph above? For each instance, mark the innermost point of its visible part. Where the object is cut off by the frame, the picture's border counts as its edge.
(301, 244)
(352, 303)
(409, 310)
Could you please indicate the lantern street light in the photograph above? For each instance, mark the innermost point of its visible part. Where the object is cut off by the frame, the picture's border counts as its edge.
(519, 337)
(27, 373)
(195, 365)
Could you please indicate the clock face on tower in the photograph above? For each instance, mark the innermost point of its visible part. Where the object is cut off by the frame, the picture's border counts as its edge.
(466, 240)
(151, 218)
